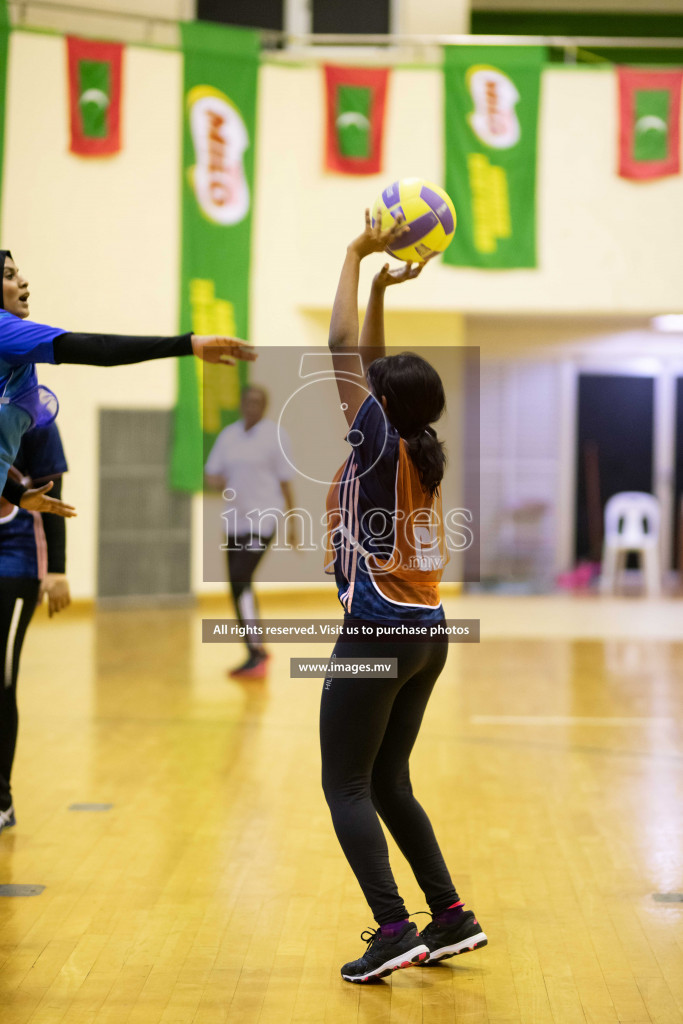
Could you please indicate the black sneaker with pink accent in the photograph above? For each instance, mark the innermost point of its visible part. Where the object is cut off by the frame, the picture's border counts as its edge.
(385, 955)
(446, 940)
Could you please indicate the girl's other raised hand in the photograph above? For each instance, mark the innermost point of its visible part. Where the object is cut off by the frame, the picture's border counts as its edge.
(397, 275)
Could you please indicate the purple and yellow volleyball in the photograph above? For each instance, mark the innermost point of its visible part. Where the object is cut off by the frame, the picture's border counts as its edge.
(428, 211)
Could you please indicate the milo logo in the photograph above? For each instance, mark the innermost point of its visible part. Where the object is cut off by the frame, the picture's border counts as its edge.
(220, 138)
(494, 119)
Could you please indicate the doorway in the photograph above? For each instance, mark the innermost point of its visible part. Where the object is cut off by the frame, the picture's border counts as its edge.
(615, 449)
(676, 553)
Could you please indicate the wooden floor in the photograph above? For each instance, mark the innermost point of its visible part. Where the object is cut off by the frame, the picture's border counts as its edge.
(214, 890)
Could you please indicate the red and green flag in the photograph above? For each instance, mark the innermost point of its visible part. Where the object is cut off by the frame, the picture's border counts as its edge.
(649, 123)
(491, 111)
(356, 101)
(94, 96)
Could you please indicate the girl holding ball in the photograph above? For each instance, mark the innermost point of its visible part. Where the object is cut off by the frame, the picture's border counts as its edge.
(368, 727)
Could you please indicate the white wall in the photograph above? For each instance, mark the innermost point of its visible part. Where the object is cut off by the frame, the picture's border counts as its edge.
(520, 465)
(605, 245)
(530, 372)
(99, 242)
(430, 17)
(99, 239)
(131, 21)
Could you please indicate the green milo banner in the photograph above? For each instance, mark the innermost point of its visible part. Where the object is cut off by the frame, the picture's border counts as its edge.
(219, 123)
(491, 108)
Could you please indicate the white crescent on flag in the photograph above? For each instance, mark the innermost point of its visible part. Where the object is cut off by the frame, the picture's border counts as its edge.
(95, 96)
(651, 123)
(360, 120)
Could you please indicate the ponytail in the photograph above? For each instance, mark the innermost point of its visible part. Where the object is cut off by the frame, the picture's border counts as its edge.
(429, 456)
(414, 398)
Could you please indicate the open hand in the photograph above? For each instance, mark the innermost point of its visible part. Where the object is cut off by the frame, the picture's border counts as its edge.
(374, 239)
(220, 349)
(56, 586)
(36, 500)
(408, 272)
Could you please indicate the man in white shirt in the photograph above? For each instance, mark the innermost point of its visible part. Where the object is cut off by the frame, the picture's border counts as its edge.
(248, 462)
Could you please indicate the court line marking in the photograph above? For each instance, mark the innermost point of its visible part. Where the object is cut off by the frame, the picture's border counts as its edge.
(566, 720)
(11, 638)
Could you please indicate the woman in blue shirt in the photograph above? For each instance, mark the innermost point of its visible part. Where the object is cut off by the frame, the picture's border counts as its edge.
(32, 565)
(24, 404)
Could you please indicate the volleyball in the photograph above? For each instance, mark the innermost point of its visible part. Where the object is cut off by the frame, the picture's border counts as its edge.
(428, 211)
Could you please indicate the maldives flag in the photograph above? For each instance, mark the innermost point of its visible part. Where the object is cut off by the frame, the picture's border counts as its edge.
(356, 99)
(649, 123)
(94, 96)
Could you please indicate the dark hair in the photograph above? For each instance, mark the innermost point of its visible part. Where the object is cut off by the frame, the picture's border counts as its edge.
(415, 398)
(257, 389)
(4, 253)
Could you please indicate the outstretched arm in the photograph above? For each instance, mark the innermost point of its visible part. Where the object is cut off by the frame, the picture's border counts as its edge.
(19, 490)
(24, 341)
(36, 499)
(372, 333)
(343, 337)
(119, 349)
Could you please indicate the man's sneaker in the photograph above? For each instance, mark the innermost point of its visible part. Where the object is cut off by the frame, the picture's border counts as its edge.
(451, 939)
(385, 955)
(7, 818)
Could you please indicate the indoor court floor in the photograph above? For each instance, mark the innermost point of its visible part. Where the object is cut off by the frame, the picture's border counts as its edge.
(191, 874)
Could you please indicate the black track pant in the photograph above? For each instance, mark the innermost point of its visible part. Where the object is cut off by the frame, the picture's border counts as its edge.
(17, 603)
(244, 556)
(367, 732)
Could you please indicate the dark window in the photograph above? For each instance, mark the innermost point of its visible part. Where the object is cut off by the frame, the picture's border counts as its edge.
(359, 16)
(678, 479)
(255, 14)
(340, 16)
(549, 22)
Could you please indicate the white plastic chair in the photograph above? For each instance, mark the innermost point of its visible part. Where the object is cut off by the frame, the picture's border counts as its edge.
(631, 524)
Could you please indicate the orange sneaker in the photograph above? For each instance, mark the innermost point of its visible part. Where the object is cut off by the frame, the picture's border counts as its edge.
(255, 667)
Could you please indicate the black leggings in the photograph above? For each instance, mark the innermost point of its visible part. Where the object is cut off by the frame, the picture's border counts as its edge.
(367, 732)
(17, 603)
(244, 556)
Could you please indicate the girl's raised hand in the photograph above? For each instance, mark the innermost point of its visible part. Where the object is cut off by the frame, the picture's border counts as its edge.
(373, 239)
(397, 275)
